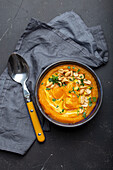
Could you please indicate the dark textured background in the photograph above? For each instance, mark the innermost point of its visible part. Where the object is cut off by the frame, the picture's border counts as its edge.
(91, 145)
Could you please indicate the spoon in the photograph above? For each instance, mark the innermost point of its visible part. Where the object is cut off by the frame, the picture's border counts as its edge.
(19, 71)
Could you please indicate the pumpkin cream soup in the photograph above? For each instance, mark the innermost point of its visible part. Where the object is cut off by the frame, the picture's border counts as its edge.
(68, 93)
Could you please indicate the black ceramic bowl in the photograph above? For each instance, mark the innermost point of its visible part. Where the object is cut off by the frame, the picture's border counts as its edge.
(98, 103)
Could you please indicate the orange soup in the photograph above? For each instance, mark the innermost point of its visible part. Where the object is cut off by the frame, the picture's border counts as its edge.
(68, 93)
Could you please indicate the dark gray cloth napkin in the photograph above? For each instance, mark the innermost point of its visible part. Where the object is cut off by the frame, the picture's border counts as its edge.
(64, 37)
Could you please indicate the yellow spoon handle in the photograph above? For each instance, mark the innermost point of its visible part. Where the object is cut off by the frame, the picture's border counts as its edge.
(35, 121)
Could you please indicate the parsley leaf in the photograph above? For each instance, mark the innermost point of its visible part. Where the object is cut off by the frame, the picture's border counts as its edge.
(73, 91)
(50, 79)
(63, 85)
(47, 88)
(70, 79)
(77, 95)
(78, 89)
(53, 79)
(53, 100)
(59, 85)
(90, 102)
(68, 67)
(42, 83)
(82, 82)
(81, 107)
(77, 112)
(94, 99)
(78, 70)
(91, 88)
(84, 114)
(57, 106)
(62, 110)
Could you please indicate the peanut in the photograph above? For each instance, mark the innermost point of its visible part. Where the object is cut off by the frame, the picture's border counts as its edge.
(88, 92)
(49, 84)
(82, 91)
(87, 82)
(68, 73)
(82, 98)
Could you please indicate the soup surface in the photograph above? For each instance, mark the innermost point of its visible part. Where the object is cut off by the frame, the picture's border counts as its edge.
(68, 93)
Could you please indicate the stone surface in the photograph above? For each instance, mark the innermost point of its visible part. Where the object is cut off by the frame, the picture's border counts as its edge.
(91, 145)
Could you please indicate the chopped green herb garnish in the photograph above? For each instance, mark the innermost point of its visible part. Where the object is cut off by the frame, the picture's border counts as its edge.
(81, 107)
(57, 106)
(47, 88)
(50, 79)
(59, 85)
(68, 67)
(62, 110)
(84, 114)
(94, 99)
(73, 78)
(73, 91)
(77, 95)
(77, 112)
(84, 75)
(54, 79)
(91, 88)
(78, 70)
(42, 83)
(73, 67)
(80, 76)
(62, 99)
(82, 82)
(53, 99)
(70, 79)
(78, 89)
(56, 73)
(63, 85)
(90, 102)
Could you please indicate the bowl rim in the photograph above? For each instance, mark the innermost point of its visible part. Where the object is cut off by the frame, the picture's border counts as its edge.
(63, 62)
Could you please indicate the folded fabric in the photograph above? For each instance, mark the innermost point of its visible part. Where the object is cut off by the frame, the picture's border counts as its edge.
(64, 37)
